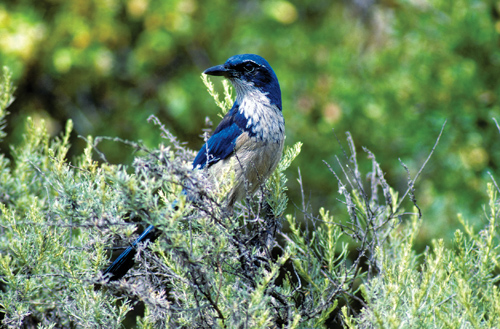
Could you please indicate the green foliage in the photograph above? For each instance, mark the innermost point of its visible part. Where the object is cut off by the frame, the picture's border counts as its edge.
(444, 287)
(226, 104)
(6, 91)
(50, 250)
(276, 184)
(215, 269)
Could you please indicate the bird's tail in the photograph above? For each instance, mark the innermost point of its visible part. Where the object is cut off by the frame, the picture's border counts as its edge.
(125, 261)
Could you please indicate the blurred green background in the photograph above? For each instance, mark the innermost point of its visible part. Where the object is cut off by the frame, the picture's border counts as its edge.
(390, 72)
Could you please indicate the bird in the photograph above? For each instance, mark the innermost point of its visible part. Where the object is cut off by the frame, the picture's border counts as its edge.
(248, 140)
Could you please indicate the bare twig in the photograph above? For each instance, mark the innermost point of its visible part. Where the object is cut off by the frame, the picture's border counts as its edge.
(412, 182)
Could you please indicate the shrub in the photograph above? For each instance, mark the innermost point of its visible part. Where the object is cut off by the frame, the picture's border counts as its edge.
(254, 268)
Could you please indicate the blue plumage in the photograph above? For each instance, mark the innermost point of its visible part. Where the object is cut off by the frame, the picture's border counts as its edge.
(222, 143)
(252, 133)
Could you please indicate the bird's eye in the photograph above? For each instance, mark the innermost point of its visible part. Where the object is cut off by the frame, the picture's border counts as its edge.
(249, 67)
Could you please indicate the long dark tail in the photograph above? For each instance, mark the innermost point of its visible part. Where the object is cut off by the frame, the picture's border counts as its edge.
(125, 261)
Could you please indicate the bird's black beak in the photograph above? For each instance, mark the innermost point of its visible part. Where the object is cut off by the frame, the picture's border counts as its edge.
(218, 70)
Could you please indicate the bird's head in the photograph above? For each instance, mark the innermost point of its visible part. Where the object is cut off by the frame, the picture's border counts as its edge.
(249, 73)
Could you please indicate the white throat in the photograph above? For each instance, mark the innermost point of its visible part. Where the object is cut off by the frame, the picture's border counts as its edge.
(263, 118)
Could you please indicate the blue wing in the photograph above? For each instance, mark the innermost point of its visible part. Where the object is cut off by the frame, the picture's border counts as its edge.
(221, 144)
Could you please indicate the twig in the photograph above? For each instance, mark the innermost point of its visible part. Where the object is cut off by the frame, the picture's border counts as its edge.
(422, 167)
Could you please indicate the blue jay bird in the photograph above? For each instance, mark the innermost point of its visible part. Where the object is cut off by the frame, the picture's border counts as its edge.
(248, 140)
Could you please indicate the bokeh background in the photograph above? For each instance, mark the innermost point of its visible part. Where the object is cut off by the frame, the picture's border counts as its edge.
(389, 71)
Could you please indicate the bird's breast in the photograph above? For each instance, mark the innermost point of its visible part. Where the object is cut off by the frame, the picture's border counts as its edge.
(262, 120)
(257, 158)
(253, 161)
(258, 149)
